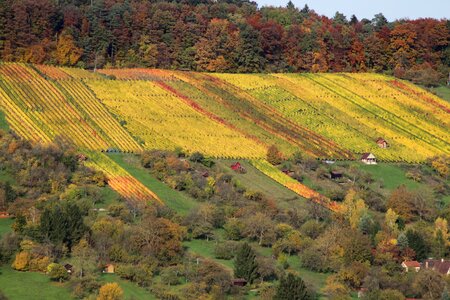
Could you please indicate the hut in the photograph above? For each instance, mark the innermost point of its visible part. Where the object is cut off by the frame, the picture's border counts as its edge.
(382, 143)
(239, 282)
(109, 269)
(369, 159)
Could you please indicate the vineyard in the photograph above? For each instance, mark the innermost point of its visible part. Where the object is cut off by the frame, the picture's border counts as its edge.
(292, 184)
(120, 180)
(354, 110)
(236, 116)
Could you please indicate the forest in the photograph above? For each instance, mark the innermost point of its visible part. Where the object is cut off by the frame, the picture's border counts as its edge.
(220, 36)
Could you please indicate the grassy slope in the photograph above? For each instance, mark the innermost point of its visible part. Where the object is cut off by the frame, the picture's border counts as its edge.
(253, 179)
(175, 200)
(442, 91)
(130, 290)
(391, 174)
(5, 226)
(30, 286)
(206, 249)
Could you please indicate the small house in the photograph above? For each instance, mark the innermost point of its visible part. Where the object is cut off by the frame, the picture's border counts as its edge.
(4, 215)
(237, 167)
(335, 175)
(369, 159)
(411, 266)
(239, 282)
(382, 143)
(69, 268)
(205, 174)
(109, 269)
(442, 266)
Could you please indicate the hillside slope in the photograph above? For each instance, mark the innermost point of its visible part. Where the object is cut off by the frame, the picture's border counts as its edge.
(328, 116)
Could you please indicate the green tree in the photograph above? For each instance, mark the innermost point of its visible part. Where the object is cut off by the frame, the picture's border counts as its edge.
(291, 287)
(245, 265)
(57, 272)
(417, 243)
(63, 223)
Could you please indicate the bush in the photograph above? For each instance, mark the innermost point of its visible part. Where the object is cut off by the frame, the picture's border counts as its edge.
(274, 156)
(313, 260)
(57, 272)
(22, 261)
(171, 275)
(197, 157)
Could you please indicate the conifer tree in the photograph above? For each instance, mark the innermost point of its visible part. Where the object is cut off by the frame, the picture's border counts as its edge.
(291, 287)
(245, 265)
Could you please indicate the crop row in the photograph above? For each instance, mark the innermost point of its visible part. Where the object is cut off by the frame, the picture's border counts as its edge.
(139, 104)
(292, 184)
(119, 179)
(354, 112)
(47, 106)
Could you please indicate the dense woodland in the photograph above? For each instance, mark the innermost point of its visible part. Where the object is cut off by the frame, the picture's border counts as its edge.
(219, 36)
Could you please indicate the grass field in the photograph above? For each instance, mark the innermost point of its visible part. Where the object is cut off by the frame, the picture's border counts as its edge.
(109, 197)
(31, 286)
(177, 201)
(5, 225)
(442, 91)
(206, 249)
(392, 175)
(130, 290)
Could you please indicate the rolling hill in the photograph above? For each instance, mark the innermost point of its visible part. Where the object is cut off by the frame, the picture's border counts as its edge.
(234, 116)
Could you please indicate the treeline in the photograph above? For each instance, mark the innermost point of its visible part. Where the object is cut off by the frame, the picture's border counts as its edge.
(219, 36)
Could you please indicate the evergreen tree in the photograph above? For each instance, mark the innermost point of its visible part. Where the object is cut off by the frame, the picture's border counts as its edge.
(251, 54)
(291, 288)
(417, 243)
(245, 265)
(63, 223)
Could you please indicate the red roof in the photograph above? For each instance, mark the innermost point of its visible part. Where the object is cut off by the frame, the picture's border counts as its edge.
(412, 264)
(381, 140)
(236, 166)
(365, 155)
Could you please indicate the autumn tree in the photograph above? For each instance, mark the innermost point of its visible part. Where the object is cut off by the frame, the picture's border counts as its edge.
(67, 53)
(429, 284)
(353, 208)
(401, 201)
(110, 291)
(274, 155)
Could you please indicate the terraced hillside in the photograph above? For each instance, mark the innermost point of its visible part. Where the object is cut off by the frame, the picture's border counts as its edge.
(326, 115)
(336, 116)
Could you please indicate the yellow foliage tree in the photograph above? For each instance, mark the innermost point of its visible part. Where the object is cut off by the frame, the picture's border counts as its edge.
(391, 218)
(441, 225)
(441, 165)
(67, 53)
(22, 261)
(110, 291)
(353, 208)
